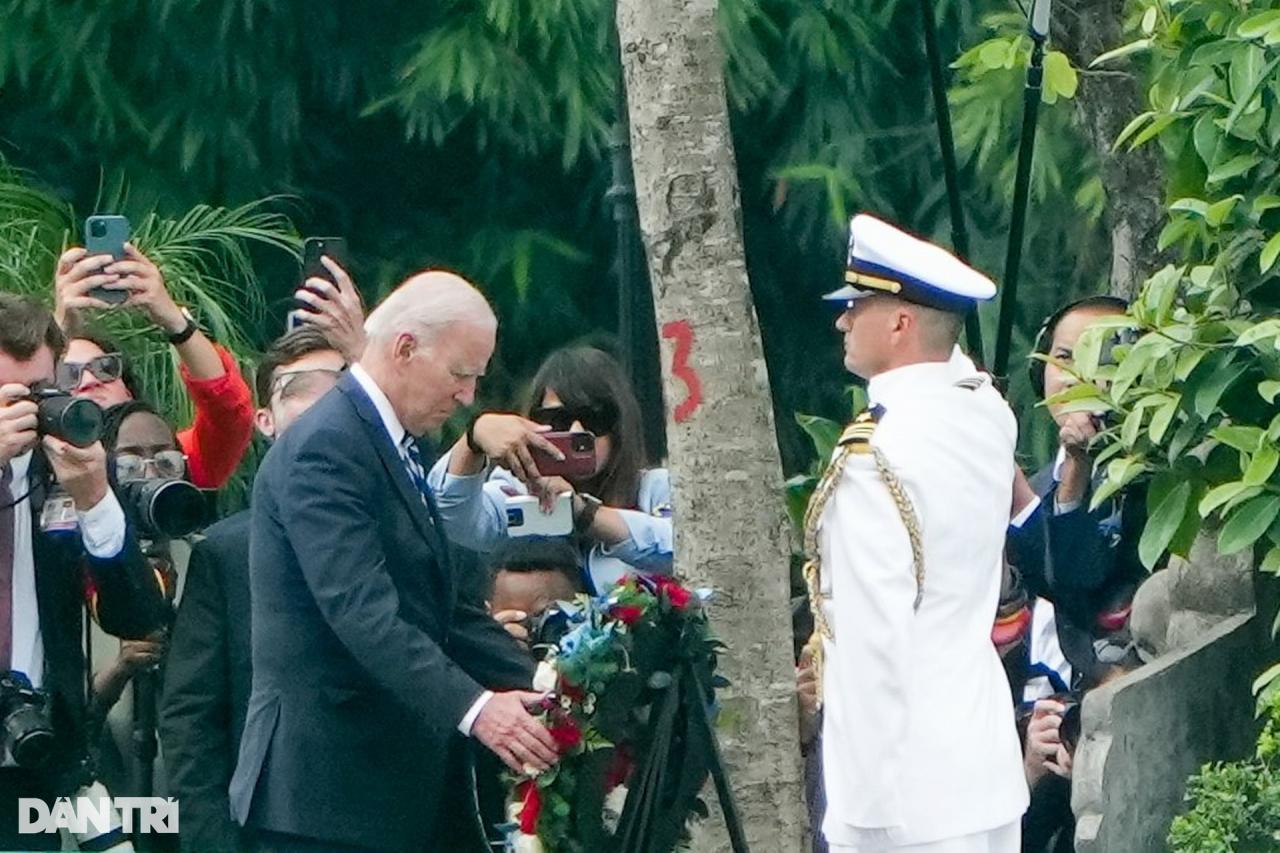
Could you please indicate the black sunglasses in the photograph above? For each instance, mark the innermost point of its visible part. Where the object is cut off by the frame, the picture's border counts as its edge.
(597, 419)
(107, 368)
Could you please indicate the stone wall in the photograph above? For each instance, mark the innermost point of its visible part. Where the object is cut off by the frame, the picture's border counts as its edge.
(1145, 733)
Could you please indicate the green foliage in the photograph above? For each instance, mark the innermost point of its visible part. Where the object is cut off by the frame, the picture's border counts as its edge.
(1191, 402)
(206, 257)
(1235, 805)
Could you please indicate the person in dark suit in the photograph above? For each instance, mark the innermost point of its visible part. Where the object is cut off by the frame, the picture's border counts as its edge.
(207, 681)
(52, 546)
(369, 668)
(1083, 560)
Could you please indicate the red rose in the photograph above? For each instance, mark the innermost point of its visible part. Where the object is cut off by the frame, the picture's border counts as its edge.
(676, 594)
(531, 808)
(627, 614)
(566, 734)
(619, 768)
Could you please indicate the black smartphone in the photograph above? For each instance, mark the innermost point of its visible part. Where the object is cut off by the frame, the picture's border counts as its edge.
(312, 249)
(106, 235)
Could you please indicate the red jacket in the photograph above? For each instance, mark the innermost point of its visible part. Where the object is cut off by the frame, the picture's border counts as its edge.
(223, 428)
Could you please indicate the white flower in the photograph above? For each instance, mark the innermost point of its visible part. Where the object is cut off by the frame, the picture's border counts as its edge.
(613, 805)
(528, 844)
(544, 679)
(566, 703)
(589, 704)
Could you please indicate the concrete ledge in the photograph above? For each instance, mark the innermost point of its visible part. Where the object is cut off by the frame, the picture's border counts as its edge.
(1145, 733)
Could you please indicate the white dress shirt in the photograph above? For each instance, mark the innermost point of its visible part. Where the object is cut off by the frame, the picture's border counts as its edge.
(1044, 649)
(395, 429)
(102, 529)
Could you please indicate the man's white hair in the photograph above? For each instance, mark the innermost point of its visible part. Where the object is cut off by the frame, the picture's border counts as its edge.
(427, 304)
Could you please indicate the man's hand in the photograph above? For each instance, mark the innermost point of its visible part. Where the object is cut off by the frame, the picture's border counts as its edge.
(1044, 745)
(807, 695)
(77, 273)
(1077, 431)
(507, 728)
(512, 622)
(17, 422)
(140, 654)
(507, 440)
(336, 309)
(81, 471)
(147, 290)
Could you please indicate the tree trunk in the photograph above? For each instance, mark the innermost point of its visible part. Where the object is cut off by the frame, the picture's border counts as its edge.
(731, 531)
(1109, 99)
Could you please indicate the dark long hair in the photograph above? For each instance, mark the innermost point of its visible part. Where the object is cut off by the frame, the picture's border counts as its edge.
(583, 377)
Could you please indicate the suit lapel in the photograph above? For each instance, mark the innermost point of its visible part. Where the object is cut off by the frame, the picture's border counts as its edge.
(394, 464)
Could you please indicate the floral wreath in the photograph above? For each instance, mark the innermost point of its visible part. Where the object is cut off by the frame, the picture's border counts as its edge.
(631, 688)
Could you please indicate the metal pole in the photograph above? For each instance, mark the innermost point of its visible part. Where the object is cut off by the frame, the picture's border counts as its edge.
(950, 171)
(1039, 31)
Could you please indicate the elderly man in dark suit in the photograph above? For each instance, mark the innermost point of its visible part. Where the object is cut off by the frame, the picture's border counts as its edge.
(208, 671)
(368, 667)
(43, 566)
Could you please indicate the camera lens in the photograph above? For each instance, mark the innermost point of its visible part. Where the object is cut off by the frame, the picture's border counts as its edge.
(583, 442)
(98, 229)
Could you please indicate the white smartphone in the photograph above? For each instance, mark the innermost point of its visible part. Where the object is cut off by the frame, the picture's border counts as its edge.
(526, 518)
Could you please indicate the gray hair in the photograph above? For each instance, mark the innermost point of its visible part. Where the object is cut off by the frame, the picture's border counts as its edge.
(427, 304)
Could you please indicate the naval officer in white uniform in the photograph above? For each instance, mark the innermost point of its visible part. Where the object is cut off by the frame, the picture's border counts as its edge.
(905, 536)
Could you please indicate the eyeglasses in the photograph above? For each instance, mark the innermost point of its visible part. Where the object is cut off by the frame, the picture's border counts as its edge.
(597, 419)
(297, 383)
(166, 465)
(107, 368)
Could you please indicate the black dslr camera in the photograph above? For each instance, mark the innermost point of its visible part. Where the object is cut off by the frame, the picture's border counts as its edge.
(164, 509)
(547, 628)
(25, 722)
(75, 420)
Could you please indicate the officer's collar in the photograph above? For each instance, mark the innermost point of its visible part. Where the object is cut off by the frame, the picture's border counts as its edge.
(911, 377)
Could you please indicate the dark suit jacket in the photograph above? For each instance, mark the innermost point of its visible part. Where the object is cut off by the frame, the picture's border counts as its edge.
(364, 659)
(1080, 560)
(206, 685)
(128, 602)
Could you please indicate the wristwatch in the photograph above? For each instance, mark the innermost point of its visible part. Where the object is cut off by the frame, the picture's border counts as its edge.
(181, 337)
(590, 506)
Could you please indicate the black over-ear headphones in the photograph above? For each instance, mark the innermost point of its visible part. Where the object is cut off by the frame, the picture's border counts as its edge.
(1044, 337)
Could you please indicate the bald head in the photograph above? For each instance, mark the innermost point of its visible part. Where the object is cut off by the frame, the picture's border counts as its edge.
(426, 305)
(428, 344)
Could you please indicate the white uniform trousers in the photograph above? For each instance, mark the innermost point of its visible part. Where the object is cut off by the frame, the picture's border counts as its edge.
(1003, 839)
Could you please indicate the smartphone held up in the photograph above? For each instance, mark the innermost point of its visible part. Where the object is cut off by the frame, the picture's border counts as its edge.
(106, 235)
(313, 249)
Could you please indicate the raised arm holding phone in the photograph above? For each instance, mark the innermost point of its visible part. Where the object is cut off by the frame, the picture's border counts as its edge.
(87, 279)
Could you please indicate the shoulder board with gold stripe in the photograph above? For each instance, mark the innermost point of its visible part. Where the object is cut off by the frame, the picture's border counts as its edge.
(972, 383)
(857, 435)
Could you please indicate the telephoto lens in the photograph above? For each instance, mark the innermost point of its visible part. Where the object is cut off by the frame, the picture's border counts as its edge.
(164, 508)
(24, 718)
(75, 420)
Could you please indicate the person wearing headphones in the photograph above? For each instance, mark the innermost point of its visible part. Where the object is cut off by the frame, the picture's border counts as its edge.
(1083, 561)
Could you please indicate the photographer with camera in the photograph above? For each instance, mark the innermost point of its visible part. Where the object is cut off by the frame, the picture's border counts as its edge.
(49, 542)
(616, 508)
(529, 577)
(1084, 561)
(95, 368)
(208, 672)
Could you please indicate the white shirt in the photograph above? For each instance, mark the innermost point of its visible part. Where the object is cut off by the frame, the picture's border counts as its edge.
(102, 529)
(1045, 649)
(395, 429)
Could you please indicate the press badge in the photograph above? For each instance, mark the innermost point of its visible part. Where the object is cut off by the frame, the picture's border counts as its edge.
(58, 515)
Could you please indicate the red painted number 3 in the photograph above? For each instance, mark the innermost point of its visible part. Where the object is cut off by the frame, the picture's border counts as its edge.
(682, 333)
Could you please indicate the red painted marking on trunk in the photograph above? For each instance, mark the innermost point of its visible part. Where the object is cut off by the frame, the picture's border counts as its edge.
(682, 333)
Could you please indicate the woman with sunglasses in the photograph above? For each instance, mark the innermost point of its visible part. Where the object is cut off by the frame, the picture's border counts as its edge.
(93, 366)
(621, 510)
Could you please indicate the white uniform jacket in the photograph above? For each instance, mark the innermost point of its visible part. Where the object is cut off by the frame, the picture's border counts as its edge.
(919, 738)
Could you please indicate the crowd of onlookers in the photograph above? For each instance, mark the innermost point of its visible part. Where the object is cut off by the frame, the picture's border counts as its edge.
(181, 666)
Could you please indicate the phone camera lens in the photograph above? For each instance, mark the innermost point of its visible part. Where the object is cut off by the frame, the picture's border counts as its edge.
(98, 229)
(581, 442)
